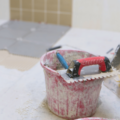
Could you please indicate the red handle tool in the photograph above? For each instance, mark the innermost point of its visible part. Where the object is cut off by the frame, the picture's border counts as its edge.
(92, 61)
(77, 65)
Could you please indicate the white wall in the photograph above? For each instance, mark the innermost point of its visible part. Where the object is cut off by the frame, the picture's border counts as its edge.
(96, 14)
(4, 9)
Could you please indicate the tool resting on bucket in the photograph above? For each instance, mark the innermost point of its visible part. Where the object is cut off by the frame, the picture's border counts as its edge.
(76, 97)
(75, 67)
(62, 60)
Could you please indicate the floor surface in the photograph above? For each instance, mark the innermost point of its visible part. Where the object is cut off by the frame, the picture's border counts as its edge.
(23, 94)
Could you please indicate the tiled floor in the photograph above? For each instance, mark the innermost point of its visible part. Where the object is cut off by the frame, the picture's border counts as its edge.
(5, 43)
(29, 39)
(28, 49)
(22, 43)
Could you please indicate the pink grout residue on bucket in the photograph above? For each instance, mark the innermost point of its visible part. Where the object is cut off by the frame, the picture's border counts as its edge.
(94, 118)
(69, 100)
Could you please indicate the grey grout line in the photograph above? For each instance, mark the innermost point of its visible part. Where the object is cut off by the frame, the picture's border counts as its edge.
(27, 33)
(58, 12)
(58, 15)
(20, 9)
(45, 11)
(39, 10)
(32, 10)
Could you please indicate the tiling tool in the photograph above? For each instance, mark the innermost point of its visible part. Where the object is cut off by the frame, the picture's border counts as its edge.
(76, 65)
(93, 68)
(62, 60)
(116, 59)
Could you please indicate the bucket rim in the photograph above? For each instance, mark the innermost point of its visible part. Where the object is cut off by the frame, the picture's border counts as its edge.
(48, 68)
(55, 72)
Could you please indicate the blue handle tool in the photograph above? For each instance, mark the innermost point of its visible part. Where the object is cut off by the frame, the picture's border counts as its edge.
(62, 60)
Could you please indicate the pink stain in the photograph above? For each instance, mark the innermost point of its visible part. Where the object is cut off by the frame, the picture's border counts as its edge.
(56, 110)
(67, 104)
(54, 100)
(81, 105)
(62, 111)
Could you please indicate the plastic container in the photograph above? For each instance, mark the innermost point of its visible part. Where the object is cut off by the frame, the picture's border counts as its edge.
(69, 100)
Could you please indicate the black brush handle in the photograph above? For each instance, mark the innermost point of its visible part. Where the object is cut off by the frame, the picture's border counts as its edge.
(110, 50)
(53, 48)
